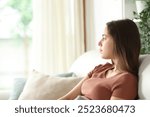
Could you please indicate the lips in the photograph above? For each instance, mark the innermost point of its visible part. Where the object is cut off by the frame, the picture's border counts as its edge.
(100, 50)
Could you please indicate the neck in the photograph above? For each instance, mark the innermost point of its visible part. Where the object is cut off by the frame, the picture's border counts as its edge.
(117, 66)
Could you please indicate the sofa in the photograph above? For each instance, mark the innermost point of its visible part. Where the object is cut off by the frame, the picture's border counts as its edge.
(46, 86)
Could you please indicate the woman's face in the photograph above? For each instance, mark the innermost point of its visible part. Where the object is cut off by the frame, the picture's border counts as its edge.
(106, 45)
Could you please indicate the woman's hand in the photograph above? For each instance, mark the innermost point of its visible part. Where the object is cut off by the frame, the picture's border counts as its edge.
(116, 98)
(75, 91)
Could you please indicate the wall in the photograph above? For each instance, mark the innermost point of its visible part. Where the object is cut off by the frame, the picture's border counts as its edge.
(98, 12)
(129, 8)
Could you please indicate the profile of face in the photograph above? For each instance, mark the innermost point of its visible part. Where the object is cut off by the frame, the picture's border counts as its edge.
(106, 45)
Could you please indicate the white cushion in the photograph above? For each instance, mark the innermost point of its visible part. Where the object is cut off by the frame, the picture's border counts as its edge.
(86, 62)
(43, 87)
(144, 77)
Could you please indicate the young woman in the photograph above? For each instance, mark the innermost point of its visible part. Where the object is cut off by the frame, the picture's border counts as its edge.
(119, 80)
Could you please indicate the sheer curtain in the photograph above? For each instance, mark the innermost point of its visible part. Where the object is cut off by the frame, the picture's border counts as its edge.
(58, 34)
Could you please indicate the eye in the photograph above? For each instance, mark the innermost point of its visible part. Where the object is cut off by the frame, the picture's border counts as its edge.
(103, 37)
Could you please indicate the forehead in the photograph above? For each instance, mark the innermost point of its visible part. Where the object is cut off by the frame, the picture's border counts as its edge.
(105, 33)
(106, 30)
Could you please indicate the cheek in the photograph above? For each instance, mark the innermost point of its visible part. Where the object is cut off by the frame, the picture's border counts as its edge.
(107, 51)
(108, 47)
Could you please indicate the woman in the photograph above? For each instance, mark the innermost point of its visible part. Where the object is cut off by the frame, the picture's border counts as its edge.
(118, 80)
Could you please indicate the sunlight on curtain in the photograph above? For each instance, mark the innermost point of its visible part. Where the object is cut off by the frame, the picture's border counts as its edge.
(58, 34)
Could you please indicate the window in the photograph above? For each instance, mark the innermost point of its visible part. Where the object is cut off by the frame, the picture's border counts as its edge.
(15, 40)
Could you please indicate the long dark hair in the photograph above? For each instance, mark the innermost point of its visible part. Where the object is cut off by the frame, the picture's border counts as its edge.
(127, 44)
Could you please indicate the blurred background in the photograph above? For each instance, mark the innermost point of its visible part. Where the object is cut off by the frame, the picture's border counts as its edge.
(48, 35)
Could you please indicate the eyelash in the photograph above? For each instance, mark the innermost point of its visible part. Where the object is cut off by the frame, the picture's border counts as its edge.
(104, 38)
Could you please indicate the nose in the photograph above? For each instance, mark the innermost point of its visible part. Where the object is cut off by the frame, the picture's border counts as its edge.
(100, 43)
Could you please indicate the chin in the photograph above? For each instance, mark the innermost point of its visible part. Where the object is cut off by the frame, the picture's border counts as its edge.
(104, 57)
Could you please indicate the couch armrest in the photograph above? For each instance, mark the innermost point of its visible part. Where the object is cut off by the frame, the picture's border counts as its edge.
(144, 77)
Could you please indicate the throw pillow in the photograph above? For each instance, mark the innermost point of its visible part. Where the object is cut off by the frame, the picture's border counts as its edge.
(44, 87)
(18, 84)
(69, 74)
(17, 88)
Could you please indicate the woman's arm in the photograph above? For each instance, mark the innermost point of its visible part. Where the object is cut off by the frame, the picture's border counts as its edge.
(116, 98)
(75, 91)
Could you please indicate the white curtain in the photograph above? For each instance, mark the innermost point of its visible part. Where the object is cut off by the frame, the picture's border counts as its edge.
(58, 34)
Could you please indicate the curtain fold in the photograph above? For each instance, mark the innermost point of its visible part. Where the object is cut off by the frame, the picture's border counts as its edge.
(58, 34)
